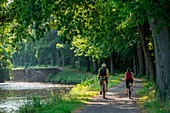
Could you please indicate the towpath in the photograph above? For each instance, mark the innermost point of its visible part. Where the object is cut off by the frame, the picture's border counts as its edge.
(116, 101)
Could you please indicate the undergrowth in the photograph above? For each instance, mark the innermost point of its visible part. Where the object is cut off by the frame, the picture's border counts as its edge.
(149, 102)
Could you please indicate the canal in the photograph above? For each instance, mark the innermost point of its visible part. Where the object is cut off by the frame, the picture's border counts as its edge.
(15, 94)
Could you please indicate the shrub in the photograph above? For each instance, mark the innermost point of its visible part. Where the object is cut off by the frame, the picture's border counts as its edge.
(5, 67)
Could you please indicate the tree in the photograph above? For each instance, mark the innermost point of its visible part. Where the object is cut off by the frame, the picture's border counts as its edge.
(6, 44)
(159, 16)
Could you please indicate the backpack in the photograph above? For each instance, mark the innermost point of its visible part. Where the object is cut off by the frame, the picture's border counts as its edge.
(103, 72)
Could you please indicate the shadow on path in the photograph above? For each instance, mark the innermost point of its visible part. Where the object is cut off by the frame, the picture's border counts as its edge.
(116, 101)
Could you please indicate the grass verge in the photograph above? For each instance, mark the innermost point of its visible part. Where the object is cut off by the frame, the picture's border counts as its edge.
(68, 77)
(148, 101)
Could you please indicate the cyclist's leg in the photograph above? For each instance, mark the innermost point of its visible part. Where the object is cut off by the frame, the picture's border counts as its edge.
(106, 81)
(131, 81)
(101, 82)
(127, 83)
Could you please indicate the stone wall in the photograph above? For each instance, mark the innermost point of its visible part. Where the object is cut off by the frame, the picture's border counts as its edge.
(33, 74)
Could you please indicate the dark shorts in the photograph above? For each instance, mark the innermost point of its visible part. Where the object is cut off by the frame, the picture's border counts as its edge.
(129, 81)
(103, 80)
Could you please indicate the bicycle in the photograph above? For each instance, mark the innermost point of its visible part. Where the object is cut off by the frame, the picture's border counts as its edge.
(103, 87)
(129, 90)
(103, 90)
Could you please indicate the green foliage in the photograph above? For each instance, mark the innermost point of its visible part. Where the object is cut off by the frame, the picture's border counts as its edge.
(95, 21)
(83, 68)
(32, 103)
(99, 22)
(5, 67)
(41, 52)
(95, 39)
(157, 107)
(36, 102)
(6, 44)
(148, 100)
(59, 46)
(94, 28)
(148, 89)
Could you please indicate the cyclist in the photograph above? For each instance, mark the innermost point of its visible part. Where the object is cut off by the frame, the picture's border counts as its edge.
(103, 75)
(128, 78)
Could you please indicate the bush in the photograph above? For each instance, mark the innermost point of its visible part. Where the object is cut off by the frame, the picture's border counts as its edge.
(5, 67)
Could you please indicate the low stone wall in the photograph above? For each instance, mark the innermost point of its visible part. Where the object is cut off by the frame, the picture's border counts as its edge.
(33, 74)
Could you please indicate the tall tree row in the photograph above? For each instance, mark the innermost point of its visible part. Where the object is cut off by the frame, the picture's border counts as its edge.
(160, 24)
(43, 52)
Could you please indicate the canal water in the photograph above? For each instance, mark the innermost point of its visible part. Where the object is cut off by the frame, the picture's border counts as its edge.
(15, 94)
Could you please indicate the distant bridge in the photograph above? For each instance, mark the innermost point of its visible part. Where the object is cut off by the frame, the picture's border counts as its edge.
(33, 74)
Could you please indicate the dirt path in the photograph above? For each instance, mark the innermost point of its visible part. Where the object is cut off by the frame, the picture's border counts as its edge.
(116, 101)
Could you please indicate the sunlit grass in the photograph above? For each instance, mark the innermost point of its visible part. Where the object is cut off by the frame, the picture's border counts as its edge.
(157, 107)
(149, 102)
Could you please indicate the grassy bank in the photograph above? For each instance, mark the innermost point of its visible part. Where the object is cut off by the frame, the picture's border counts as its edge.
(69, 77)
(148, 101)
(75, 99)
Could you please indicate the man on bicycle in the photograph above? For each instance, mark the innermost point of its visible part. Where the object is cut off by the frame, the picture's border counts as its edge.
(103, 75)
(129, 79)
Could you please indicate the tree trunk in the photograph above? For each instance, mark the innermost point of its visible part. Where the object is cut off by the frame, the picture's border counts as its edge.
(141, 60)
(111, 64)
(95, 66)
(79, 62)
(87, 64)
(73, 65)
(135, 63)
(149, 64)
(38, 60)
(58, 57)
(162, 55)
(63, 60)
(135, 67)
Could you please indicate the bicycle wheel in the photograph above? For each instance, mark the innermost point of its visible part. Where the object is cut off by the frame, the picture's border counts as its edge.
(103, 90)
(129, 91)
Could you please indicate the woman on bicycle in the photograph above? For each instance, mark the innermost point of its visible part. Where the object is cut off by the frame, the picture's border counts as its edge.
(129, 79)
(103, 75)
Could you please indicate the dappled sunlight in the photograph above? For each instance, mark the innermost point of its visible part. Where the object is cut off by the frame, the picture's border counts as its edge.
(143, 99)
(115, 100)
(98, 103)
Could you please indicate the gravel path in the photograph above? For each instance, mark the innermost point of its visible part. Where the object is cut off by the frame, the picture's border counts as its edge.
(116, 101)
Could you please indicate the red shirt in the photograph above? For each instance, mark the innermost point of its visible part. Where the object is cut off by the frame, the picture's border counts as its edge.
(128, 75)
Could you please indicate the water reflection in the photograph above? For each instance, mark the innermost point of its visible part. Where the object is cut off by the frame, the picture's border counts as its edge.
(14, 94)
